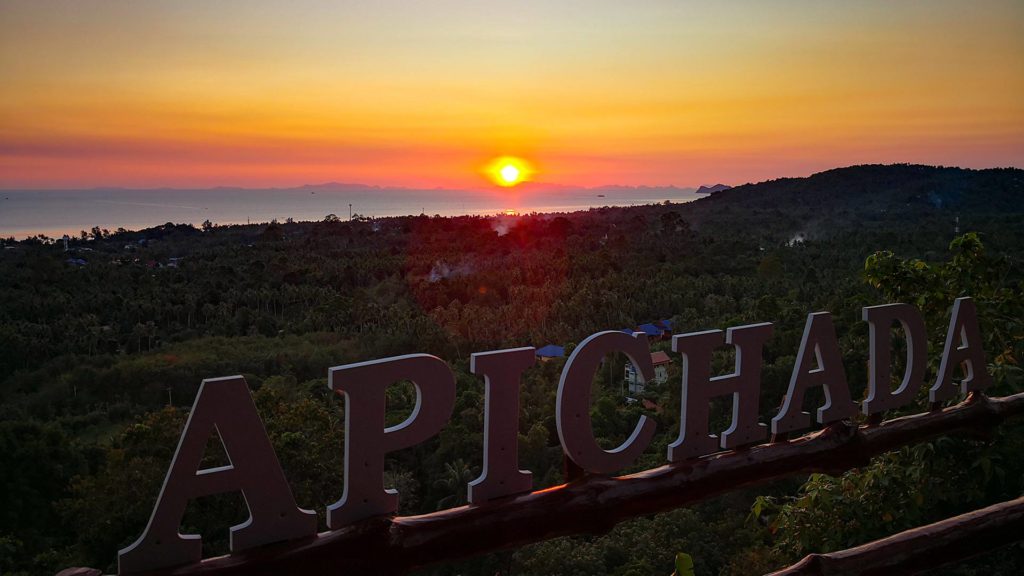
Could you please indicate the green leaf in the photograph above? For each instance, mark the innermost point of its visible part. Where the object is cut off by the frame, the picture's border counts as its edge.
(684, 565)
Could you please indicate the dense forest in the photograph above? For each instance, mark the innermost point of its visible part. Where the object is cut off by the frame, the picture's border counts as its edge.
(103, 346)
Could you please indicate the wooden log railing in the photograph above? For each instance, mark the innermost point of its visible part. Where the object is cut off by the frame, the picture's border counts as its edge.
(922, 548)
(594, 504)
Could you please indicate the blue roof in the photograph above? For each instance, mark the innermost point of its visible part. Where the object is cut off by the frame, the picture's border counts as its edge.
(649, 329)
(668, 323)
(551, 351)
(627, 331)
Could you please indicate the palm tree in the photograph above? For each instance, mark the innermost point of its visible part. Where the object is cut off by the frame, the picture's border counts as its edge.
(456, 476)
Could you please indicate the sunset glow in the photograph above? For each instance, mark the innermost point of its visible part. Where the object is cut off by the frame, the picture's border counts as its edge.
(260, 93)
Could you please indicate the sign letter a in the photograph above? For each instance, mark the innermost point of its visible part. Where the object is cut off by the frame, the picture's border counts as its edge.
(819, 346)
(963, 348)
(224, 405)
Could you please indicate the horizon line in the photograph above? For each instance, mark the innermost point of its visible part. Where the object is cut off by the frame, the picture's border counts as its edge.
(493, 188)
(539, 184)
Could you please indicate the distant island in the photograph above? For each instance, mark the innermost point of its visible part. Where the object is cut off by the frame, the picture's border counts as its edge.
(712, 189)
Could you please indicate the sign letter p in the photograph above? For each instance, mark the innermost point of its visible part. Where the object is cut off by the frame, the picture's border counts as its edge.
(366, 438)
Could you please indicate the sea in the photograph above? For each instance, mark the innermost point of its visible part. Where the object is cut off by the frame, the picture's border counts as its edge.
(25, 213)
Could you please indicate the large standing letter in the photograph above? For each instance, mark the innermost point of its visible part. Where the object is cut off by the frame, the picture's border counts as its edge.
(572, 409)
(698, 388)
(819, 344)
(224, 405)
(501, 475)
(880, 319)
(963, 347)
(367, 440)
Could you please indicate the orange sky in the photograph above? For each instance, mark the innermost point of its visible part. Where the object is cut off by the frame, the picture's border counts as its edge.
(591, 92)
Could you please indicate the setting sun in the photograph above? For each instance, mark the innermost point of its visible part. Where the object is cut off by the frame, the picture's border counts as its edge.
(509, 171)
(510, 174)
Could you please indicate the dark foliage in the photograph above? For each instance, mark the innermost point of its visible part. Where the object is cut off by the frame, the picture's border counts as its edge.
(99, 361)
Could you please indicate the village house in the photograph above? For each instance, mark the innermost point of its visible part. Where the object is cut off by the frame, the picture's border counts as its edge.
(660, 361)
(550, 352)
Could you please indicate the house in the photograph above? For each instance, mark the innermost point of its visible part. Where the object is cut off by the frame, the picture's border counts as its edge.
(660, 361)
(651, 330)
(550, 351)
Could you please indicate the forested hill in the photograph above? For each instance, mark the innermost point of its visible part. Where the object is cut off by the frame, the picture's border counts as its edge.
(874, 196)
(899, 188)
(103, 346)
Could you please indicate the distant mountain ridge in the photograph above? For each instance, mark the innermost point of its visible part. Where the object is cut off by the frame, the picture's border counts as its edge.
(524, 187)
(330, 186)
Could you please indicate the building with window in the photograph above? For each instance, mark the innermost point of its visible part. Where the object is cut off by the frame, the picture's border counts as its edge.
(636, 383)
